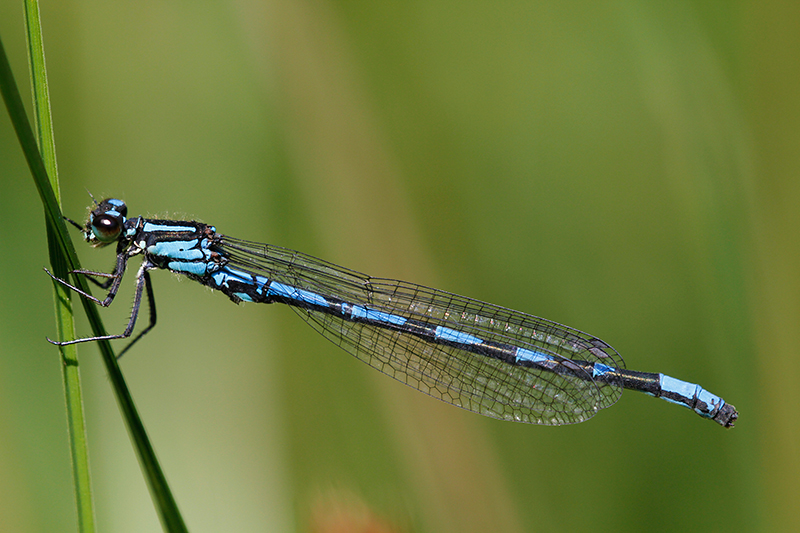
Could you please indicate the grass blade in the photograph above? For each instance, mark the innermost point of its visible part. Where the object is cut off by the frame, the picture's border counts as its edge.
(65, 324)
(63, 250)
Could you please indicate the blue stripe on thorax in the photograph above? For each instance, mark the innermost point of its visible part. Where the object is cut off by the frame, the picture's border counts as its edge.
(180, 250)
(152, 227)
(189, 256)
(197, 268)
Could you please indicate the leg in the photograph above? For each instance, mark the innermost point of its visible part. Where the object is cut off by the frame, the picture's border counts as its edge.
(115, 278)
(142, 280)
(102, 284)
(151, 301)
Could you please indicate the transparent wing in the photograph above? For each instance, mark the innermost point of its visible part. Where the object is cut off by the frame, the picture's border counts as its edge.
(489, 386)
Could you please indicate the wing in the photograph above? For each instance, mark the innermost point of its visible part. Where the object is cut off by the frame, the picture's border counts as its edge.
(562, 393)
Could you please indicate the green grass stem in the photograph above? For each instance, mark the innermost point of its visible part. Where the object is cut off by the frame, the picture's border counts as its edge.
(63, 259)
(65, 323)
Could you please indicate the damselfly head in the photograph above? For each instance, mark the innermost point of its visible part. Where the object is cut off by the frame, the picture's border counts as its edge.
(106, 222)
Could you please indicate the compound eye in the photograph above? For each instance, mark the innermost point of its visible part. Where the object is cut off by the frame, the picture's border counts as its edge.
(106, 228)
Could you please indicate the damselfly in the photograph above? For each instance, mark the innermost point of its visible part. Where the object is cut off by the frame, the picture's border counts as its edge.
(482, 357)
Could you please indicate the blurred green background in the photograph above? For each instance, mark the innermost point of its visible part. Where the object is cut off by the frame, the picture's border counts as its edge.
(626, 168)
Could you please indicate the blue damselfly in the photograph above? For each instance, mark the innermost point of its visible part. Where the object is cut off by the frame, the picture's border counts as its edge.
(479, 356)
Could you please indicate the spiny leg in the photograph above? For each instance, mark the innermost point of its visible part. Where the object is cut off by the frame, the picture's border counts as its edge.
(115, 277)
(151, 301)
(102, 284)
(142, 281)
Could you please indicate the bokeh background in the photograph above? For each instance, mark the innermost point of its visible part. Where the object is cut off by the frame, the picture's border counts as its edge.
(629, 168)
